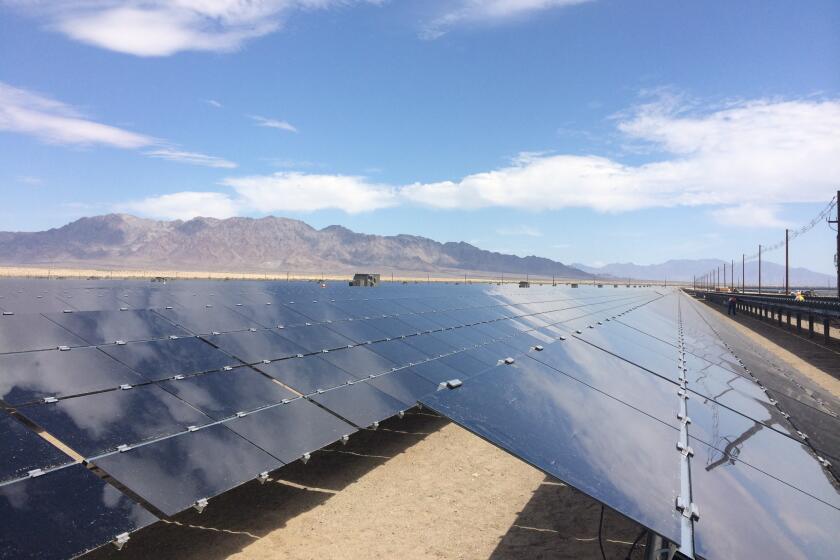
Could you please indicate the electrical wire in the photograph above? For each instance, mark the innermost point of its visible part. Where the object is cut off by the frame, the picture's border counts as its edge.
(633, 546)
(600, 533)
(796, 233)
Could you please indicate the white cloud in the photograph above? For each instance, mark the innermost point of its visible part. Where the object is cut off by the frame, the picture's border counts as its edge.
(522, 230)
(273, 123)
(213, 103)
(749, 216)
(184, 205)
(759, 152)
(487, 11)
(53, 122)
(300, 192)
(192, 158)
(30, 180)
(165, 27)
(745, 159)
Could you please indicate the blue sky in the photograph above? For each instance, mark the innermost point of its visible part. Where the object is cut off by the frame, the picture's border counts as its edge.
(585, 131)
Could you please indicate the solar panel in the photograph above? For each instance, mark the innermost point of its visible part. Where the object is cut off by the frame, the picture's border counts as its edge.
(27, 332)
(101, 422)
(593, 437)
(33, 376)
(101, 327)
(64, 513)
(221, 394)
(161, 359)
(177, 420)
(25, 451)
(359, 403)
(288, 431)
(255, 346)
(177, 472)
(306, 374)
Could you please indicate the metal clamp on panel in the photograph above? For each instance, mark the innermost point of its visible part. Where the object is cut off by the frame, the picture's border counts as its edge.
(200, 504)
(123, 448)
(178, 377)
(344, 439)
(227, 368)
(688, 510)
(305, 458)
(50, 400)
(454, 383)
(263, 477)
(120, 540)
(120, 342)
(686, 450)
(538, 348)
(125, 387)
(509, 360)
(35, 472)
(63, 348)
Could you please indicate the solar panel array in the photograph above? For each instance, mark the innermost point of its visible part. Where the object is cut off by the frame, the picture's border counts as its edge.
(651, 414)
(126, 401)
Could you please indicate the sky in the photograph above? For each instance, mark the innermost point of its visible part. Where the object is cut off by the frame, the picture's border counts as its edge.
(584, 131)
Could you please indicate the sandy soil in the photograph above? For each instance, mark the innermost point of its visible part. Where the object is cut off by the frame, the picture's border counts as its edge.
(416, 488)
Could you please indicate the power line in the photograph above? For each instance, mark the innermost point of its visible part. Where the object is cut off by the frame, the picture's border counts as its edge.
(801, 231)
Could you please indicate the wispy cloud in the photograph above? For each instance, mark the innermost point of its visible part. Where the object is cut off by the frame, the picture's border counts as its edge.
(273, 123)
(30, 180)
(523, 231)
(750, 216)
(466, 12)
(165, 27)
(53, 122)
(213, 103)
(192, 158)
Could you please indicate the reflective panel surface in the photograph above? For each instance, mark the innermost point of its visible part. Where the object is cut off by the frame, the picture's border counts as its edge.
(24, 450)
(101, 327)
(359, 403)
(359, 361)
(315, 338)
(289, 430)
(162, 359)
(307, 374)
(63, 514)
(252, 347)
(593, 438)
(32, 376)
(224, 393)
(173, 473)
(97, 423)
(404, 385)
(25, 332)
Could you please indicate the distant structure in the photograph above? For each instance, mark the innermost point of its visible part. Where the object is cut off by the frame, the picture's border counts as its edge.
(524, 284)
(365, 279)
(160, 279)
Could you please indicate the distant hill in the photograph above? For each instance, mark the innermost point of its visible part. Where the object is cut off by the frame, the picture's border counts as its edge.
(684, 270)
(248, 245)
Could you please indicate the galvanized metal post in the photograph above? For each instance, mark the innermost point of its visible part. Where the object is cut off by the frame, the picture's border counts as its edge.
(787, 262)
(759, 269)
(837, 255)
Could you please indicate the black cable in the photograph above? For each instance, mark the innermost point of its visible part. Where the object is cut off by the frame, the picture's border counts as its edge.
(600, 531)
(633, 546)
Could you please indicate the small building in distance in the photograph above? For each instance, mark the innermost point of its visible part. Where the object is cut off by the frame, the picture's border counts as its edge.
(365, 279)
(524, 284)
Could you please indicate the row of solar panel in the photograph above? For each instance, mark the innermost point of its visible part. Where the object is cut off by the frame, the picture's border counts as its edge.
(45, 297)
(608, 397)
(174, 453)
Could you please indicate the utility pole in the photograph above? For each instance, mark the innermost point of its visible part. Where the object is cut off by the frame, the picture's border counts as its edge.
(759, 269)
(837, 255)
(724, 275)
(787, 263)
(743, 272)
(732, 270)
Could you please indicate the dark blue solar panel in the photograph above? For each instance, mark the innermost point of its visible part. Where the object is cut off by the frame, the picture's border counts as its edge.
(359, 403)
(63, 514)
(101, 327)
(255, 346)
(32, 376)
(24, 450)
(173, 473)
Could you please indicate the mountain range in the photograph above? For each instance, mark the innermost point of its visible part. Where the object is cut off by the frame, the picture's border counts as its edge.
(254, 245)
(684, 270)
